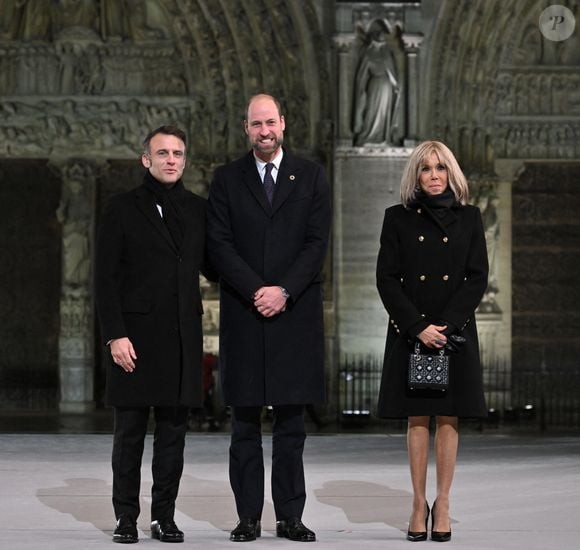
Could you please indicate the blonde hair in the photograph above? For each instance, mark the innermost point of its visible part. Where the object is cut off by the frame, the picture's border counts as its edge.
(419, 157)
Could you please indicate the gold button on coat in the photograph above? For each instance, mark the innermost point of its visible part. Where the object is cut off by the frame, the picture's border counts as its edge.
(422, 277)
(421, 238)
(445, 277)
(445, 239)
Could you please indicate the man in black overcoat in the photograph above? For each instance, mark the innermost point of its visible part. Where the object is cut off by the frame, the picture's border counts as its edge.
(150, 250)
(268, 225)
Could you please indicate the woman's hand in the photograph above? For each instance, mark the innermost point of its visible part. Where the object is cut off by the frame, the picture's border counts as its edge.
(433, 336)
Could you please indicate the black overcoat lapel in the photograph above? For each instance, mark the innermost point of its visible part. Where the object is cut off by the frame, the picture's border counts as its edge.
(252, 180)
(288, 175)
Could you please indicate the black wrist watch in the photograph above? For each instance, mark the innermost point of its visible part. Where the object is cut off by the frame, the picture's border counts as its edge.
(285, 293)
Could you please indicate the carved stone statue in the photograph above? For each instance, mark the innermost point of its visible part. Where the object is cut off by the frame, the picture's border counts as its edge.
(77, 13)
(114, 23)
(376, 92)
(142, 24)
(36, 20)
(10, 15)
(74, 213)
(487, 202)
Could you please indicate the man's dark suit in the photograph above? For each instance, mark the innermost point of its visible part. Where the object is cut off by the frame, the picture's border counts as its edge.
(277, 360)
(147, 289)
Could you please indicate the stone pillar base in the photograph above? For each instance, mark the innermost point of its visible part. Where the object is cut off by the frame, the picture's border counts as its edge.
(76, 407)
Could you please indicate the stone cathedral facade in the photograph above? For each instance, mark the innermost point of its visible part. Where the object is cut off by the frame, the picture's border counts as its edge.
(361, 83)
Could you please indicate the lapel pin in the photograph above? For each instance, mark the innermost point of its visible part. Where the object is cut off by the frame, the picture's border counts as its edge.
(292, 177)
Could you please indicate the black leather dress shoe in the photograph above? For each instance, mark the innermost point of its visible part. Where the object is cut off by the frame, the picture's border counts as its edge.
(165, 530)
(294, 529)
(126, 530)
(247, 529)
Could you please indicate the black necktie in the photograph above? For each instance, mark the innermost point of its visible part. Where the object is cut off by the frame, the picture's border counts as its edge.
(269, 182)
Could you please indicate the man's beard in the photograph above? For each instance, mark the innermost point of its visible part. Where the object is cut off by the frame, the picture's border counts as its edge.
(278, 141)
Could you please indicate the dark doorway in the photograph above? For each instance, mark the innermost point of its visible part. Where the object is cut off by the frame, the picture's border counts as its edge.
(546, 267)
(30, 270)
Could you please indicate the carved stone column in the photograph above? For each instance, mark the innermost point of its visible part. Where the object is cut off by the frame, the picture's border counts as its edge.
(344, 44)
(412, 43)
(76, 213)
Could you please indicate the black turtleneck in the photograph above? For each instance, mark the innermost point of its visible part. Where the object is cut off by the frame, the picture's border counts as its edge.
(168, 198)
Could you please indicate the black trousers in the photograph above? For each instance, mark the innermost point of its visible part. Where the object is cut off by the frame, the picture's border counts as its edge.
(247, 461)
(167, 465)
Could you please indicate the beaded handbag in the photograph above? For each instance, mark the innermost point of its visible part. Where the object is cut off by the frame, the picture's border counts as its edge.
(428, 371)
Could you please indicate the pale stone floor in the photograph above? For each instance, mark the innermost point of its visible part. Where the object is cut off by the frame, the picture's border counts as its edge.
(510, 492)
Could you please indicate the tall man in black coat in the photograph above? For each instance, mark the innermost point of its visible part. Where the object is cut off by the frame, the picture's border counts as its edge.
(268, 225)
(150, 250)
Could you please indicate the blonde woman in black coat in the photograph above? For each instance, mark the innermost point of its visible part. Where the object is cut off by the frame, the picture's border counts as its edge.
(431, 275)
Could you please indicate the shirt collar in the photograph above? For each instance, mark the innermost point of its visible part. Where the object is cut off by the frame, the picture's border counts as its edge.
(261, 165)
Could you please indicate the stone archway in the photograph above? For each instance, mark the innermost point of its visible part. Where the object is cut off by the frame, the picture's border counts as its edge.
(497, 98)
(84, 82)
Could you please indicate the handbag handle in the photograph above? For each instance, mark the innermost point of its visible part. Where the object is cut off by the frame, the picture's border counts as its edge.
(441, 352)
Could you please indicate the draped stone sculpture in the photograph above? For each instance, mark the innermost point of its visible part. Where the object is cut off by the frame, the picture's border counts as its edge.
(377, 90)
(74, 213)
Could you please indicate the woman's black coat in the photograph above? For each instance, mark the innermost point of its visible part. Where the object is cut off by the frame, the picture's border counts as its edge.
(431, 271)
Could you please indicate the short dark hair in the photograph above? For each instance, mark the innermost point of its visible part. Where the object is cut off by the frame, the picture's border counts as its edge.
(168, 130)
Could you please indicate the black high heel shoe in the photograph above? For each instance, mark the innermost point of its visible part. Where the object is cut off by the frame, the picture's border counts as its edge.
(417, 536)
(438, 536)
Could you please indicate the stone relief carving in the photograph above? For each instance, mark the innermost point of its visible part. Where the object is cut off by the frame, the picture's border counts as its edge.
(75, 13)
(76, 345)
(74, 212)
(35, 20)
(81, 68)
(537, 91)
(10, 18)
(487, 200)
(377, 90)
(108, 19)
(538, 99)
(526, 139)
(76, 83)
(113, 128)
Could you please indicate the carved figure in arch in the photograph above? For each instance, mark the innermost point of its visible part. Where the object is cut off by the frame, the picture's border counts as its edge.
(145, 22)
(89, 77)
(114, 19)
(487, 201)
(76, 13)
(558, 95)
(10, 16)
(522, 95)
(571, 49)
(74, 213)
(376, 90)
(36, 20)
(530, 51)
(504, 97)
